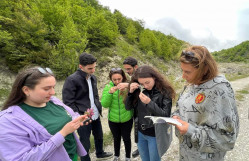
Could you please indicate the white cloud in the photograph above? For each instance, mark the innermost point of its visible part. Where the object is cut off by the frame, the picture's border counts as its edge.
(217, 24)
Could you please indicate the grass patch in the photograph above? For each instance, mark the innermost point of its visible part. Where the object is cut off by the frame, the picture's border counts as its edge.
(108, 140)
(3, 95)
(244, 91)
(4, 92)
(235, 76)
(240, 94)
(239, 97)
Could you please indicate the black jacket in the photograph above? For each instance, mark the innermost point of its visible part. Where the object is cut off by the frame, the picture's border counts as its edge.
(75, 93)
(160, 105)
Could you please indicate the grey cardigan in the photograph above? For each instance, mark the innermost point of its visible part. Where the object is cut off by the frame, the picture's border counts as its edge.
(163, 137)
(210, 109)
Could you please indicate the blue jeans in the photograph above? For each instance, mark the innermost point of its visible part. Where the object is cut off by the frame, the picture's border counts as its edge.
(147, 148)
(85, 132)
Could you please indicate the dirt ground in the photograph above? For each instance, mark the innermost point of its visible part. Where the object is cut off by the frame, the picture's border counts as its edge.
(240, 151)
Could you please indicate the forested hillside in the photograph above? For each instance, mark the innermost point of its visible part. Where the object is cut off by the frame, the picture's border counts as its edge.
(53, 33)
(239, 53)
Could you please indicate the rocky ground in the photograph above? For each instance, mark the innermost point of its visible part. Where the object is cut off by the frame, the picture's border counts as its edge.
(240, 151)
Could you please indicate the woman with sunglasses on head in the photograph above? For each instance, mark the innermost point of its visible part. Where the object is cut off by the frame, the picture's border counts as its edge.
(153, 99)
(120, 120)
(206, 108)
(36, 126)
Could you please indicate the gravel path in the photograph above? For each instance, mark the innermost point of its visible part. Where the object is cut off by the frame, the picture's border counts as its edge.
(240, 151)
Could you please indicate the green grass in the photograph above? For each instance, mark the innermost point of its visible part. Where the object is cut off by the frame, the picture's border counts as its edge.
(240, 94)
(235, 76)
(244, 91)
(108, 140)
(239, 97)
(3, 95)
(4, 92)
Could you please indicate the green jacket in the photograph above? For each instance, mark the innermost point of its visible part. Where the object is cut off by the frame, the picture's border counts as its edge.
(117, 112)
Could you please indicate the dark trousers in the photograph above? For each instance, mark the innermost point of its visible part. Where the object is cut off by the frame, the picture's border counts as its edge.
(85, 132)
(124, 130)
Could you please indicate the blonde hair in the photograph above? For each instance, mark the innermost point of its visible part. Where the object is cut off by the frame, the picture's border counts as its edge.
(200, 58)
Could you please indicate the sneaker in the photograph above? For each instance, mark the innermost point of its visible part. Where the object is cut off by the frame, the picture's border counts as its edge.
(104, 155)
(116, 158)
(135, 153)
(127, 159)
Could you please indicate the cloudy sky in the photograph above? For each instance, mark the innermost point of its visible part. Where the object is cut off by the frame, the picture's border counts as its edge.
(216, 24)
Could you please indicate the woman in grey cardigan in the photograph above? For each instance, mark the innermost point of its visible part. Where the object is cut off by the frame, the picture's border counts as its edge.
(206, 108)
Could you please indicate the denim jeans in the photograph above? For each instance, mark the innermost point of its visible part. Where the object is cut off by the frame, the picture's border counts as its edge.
(85, 132)
(147, 148)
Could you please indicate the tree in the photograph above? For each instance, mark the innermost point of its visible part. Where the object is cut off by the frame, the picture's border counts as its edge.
(149, 42)
(131, 34)
(28, 31)
(122, 22)
(6, 40)
(64, 59)
(100, 32)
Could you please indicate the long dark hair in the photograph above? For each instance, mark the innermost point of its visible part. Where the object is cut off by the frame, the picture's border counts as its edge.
(117, 71)
(161, 83)
(29, 77)
(122, 73)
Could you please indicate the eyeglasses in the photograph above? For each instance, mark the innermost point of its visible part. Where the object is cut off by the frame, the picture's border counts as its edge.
(189, 56)
(45, 70)
(115, 69)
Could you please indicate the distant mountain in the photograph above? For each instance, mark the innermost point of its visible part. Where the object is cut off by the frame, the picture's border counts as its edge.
(239, 53)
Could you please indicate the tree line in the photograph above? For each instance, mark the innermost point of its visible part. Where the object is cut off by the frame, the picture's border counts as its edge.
(53, 33)
(239, 53)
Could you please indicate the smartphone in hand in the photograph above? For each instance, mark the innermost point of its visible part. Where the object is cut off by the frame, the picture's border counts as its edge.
(86, 121)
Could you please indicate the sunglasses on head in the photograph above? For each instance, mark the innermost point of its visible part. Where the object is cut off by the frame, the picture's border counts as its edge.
(115, 69)
(45, 70)
(41, 70)
(189, 56)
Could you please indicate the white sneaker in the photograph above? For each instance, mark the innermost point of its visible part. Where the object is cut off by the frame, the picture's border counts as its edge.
(116, 158)
(127, 159)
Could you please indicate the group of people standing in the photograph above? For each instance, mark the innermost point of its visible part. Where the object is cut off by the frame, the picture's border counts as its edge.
(35, 125)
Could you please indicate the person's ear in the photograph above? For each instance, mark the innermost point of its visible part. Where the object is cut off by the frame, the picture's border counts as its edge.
(205, 70)
(135, 67)
(26, 90)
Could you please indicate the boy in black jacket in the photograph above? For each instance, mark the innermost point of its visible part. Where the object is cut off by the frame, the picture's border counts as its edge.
(80, 93)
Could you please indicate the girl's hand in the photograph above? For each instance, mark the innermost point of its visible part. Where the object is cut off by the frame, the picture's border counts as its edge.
(113, 89)
(133, 87)
(145, 99)
(184, 128)
(122, 86)
(73, 125)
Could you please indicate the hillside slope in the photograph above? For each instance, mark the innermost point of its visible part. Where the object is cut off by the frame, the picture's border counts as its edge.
(239, 53)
